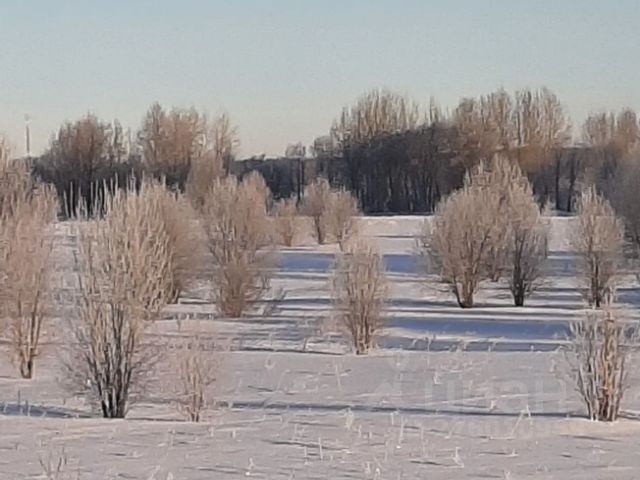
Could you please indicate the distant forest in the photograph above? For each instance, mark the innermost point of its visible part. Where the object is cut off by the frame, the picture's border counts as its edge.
(394, 155)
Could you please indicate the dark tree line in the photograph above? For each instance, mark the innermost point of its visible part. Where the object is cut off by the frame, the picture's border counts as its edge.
(403, 172)
(182, 147)
(393, 156)
(83, 159)
(397, 160)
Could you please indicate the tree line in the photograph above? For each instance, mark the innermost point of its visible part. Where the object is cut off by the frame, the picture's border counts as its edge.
(394, 155)
(398, 159)
(90, 156)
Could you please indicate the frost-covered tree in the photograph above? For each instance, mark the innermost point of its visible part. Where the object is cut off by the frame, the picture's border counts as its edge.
(598, 238)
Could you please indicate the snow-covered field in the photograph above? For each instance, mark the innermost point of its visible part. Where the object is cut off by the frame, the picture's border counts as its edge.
(449, 393)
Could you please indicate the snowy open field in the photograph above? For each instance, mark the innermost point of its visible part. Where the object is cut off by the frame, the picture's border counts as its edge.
(449, 393)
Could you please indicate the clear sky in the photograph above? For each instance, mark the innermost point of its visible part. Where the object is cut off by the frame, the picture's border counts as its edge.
(283, 69)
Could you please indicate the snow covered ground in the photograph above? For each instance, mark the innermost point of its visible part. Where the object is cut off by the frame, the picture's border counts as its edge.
(449, 393)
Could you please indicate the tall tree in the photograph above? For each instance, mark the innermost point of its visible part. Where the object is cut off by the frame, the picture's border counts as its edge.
(375, 115)
(542, 129)
(627, 132)
(171, 141)
(484, 126)
(215, 159)
(81, 158)
(222, 141)
(612, 138)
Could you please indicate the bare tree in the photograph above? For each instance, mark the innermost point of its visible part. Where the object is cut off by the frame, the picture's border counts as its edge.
(624, 195)
(238, 236)
(359, 293)
(484, 127)
(316, 197)
(502, 178)
(338, 216)
(203, 172)
(185, 247)
(27, 210)
(285, 217)
(221, 141)
(527, 244)
(254, 185)
(530, 126)
(458, 239)
(598, 238)
(197, 367)
(324, 146)
(82, 158)
(171, 142)
(599, 129)
(598, 132)
(124, 267)
(627, 132)
(598, 355)
(619, 134)
(16, 186)
(374, 113)
(612, 139)
(295, 150)
(542, 127)
(519, 242)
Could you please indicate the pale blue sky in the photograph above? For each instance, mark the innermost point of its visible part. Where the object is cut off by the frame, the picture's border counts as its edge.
(284, 68)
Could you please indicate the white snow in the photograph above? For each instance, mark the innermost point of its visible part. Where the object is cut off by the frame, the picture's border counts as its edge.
(449, 393)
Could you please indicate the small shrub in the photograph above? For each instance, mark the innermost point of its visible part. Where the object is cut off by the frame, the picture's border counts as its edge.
(124, 277)
(27, 210)
(203, 172)
(185, 250)
(197, 367)
(238, 236)
(458, 239)
(315, 199)
(598, 354)
(285, 218)
(254, 185)
(16, 187)
(359, 293)
(55, 466)
(338, 216)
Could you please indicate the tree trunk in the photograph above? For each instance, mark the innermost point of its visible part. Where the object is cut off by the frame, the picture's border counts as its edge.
(467, 297)
(26, 369)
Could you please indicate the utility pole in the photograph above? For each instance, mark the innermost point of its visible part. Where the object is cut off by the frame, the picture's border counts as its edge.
(27, 135)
